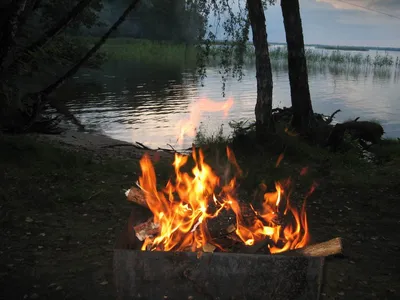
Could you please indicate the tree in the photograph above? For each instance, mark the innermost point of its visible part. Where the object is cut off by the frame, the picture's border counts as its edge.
(263, 108)
(303, 116)
(160, 20)
(49, 34)
(23, 117)
(236, 23)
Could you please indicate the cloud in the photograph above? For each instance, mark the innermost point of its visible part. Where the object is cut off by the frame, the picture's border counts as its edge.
(364, 12)
(383, 6)
(330, 22)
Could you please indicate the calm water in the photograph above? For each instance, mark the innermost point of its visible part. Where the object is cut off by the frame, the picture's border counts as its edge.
(133, 102)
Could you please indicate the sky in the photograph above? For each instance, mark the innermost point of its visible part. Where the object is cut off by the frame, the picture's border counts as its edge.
(342, 22)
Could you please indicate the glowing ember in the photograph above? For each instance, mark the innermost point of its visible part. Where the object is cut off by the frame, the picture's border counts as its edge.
(188, 127)
(181, 210)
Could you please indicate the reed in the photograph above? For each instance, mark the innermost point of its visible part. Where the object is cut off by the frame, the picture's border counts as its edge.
(170, 52)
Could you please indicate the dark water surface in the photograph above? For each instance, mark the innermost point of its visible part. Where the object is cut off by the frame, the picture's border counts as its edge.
(135, 102)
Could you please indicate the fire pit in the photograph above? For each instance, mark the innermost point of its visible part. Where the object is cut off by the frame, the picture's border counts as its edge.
(195, 240)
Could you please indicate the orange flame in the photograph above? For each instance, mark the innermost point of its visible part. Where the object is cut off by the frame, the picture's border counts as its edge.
(183, 207)
(188, 126)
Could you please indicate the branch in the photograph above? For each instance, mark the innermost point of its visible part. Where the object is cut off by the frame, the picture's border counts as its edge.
(92, 51)
(330, 119)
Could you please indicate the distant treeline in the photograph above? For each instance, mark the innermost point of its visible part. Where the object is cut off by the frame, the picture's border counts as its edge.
(165, 20)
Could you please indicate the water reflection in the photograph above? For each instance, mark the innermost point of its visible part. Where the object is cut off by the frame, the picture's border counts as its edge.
(127, 97)
(136, 102)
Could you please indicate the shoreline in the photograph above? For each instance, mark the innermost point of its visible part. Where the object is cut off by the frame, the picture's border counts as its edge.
(101, 145)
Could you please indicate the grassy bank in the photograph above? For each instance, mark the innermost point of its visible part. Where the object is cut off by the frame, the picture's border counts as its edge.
(168, 52)
(61, 210)
(148, 51)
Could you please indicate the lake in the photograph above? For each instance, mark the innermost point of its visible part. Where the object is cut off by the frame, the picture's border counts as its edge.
(146, 103)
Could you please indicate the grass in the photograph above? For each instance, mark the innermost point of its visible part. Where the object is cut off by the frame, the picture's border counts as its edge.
(301, 154)
(169, 52)
(148, 51)
(61, 210)
(60, 213)
(337, 57)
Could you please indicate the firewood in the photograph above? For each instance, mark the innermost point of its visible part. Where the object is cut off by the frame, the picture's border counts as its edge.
(257, 247)
(137, 196)
(231, 228)
(146, 229)
(327, 248)
(209, 247)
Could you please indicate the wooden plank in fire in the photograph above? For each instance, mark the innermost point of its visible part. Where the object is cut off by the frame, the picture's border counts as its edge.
(146, 229)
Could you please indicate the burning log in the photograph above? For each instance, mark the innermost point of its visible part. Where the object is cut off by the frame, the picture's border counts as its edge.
(146, 229)
(137, 196)
(209, 248)
(331, 247)
(195, 210)
(258, 247)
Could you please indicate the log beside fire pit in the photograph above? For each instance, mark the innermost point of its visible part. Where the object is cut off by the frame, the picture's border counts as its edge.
(190, 275)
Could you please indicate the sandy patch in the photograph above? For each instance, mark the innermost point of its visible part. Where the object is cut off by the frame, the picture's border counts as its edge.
(100, 145)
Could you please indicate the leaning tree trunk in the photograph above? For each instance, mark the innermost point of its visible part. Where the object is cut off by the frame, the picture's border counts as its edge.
(91, 52)
(303, 116)
(42, 98)
(263, 108)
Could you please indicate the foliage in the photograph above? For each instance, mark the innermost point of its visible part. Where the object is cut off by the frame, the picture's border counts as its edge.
(164, 52)
(43, 47)
(233, 19)
(204, 138)
(145, 51)
(162, 20)
(52, 11)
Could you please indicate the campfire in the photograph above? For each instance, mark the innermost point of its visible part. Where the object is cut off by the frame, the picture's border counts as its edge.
(196, 238)
(198, 211)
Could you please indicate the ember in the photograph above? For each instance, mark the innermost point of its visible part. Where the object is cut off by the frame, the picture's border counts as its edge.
(185, 208)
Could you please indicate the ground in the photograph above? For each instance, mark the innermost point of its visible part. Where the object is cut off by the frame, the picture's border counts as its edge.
(63, 204)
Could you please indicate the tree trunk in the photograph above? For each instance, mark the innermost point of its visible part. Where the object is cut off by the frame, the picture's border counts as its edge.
(303, 116)
(263, 108)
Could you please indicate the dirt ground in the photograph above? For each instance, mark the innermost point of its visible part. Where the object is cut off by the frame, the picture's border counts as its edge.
(61, 212)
